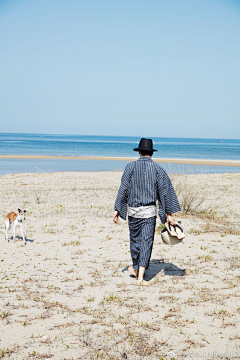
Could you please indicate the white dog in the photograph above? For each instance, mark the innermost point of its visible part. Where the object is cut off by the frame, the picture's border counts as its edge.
(15, 220)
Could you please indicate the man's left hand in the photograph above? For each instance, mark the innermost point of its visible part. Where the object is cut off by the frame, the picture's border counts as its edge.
(115, 217)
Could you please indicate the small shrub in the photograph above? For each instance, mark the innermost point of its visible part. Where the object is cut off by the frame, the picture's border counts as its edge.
(191, 193)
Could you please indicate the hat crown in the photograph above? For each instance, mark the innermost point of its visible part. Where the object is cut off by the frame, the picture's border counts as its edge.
(146, 143)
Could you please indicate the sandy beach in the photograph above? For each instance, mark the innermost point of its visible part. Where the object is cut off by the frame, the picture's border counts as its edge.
(209, 162)
(67, 293)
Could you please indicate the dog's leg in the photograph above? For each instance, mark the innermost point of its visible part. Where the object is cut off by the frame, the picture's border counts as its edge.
(14, 231)
(23, 238)
(7, 227)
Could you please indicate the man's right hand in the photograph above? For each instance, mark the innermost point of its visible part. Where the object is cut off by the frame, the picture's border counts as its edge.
(171, 219)
(115, 217)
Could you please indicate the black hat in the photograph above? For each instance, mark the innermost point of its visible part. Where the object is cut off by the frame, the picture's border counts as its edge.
(145, 144)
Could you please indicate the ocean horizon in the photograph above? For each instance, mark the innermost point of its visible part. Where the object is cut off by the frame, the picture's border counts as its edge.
(122, 146)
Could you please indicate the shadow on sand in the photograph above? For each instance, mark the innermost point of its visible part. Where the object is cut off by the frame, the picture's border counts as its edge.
(17, 238)
(158, 265)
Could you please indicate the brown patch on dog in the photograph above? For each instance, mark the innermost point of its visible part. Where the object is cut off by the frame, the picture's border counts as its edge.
(11, 217)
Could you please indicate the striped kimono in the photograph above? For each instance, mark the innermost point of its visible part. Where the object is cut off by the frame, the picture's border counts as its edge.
(143, 183)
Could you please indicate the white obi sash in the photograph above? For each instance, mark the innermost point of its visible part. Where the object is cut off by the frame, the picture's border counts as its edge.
(142, 212)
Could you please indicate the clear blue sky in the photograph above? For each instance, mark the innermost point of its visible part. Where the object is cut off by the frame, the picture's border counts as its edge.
(128, 67)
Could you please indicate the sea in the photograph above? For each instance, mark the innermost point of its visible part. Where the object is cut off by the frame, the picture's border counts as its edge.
(121, 146)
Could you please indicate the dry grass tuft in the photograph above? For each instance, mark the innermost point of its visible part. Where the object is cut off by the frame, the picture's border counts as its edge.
(192, 193)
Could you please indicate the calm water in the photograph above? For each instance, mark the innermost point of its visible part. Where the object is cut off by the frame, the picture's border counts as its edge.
(73, 145)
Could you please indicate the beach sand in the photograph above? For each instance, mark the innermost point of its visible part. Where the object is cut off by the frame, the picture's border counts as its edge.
(67, 293)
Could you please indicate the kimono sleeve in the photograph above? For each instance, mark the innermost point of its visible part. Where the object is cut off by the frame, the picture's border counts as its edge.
(122, 196)
(168, 201)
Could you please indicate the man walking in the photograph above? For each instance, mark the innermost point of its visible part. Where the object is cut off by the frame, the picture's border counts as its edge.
(143, 183)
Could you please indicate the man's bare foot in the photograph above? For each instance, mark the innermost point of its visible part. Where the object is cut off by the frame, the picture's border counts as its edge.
(141, 275)
(142, 282)
(133, 271)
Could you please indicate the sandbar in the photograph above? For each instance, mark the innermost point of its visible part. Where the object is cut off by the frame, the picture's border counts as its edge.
(210, 162)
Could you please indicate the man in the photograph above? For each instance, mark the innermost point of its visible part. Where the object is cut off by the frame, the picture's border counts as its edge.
(143, 183)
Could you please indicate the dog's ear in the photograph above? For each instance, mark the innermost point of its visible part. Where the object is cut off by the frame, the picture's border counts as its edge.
(19, 210)
(24, 211)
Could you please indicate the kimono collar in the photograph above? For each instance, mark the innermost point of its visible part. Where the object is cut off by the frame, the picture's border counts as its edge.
(145, 158)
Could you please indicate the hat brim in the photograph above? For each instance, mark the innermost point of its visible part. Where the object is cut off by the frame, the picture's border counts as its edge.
(137, 149)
